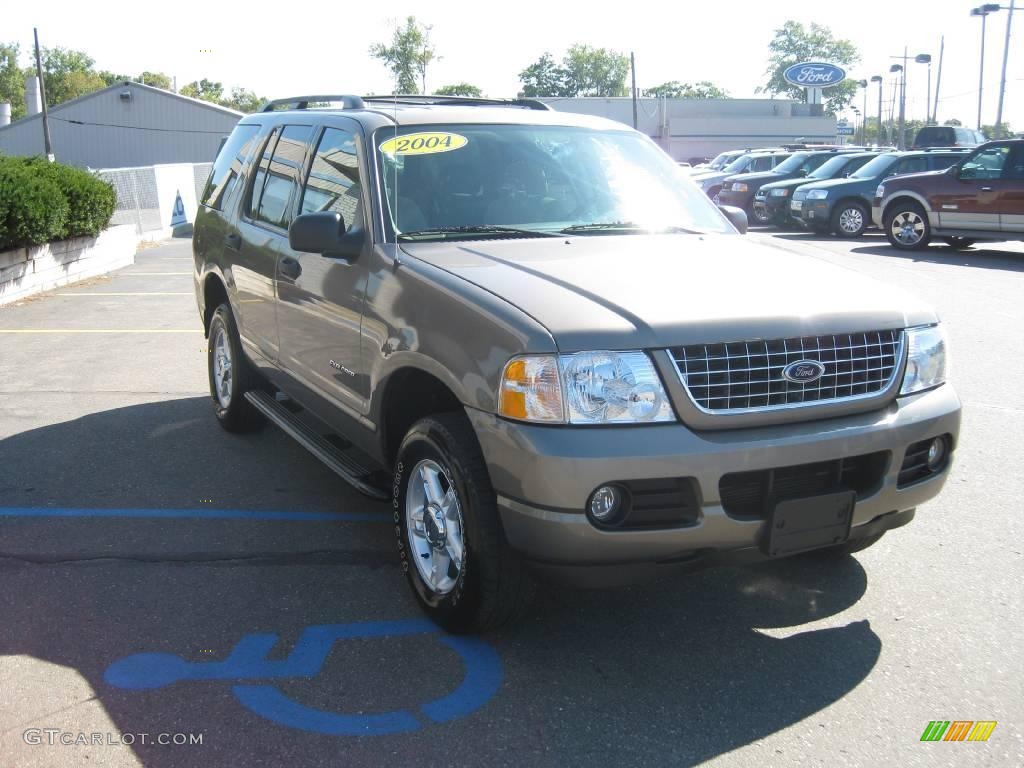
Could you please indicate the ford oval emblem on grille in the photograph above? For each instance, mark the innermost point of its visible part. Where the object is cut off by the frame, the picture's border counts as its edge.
(803, 371)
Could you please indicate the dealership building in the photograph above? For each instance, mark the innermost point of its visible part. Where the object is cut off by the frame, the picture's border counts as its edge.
(691, 128)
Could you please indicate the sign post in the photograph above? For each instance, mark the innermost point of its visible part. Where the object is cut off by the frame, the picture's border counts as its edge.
(814, 77)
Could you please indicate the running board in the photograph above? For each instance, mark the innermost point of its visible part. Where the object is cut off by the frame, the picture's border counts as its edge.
(348, 469)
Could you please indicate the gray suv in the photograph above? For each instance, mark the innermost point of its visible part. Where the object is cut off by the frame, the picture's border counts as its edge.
(550, 352)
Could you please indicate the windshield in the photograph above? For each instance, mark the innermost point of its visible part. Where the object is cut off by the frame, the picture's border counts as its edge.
(874, 168)
(793, 163)
(471, 181)
(720, 161)
(830, 168)
(738, 165)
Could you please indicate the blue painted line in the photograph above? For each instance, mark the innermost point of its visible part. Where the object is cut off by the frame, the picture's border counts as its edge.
(482, 677)
(198, 514)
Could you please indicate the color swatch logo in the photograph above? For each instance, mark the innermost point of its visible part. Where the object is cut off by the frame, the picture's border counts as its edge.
(958, 730)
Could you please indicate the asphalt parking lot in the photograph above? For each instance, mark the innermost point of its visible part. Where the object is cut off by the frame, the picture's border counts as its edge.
(164, 580)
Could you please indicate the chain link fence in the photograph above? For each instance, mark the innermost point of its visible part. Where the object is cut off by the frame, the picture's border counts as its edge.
(138, 195)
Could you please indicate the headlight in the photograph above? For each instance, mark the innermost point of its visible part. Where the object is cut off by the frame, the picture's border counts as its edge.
(817, 194)
(926, 359)
(584, 388)
(880, 192)
(739, 186)
(779, 192)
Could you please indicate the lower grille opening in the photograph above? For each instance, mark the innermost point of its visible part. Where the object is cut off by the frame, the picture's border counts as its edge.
(667, 502)
(915, 462)
(747, 494)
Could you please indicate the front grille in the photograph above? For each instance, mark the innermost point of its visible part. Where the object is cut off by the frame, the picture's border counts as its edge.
(760, 194)
(661, 503)
(747, 375)
(800, 194)
(749, 494)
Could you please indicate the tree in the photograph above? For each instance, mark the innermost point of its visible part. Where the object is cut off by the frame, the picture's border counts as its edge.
(110, 78)
(459, 89)
(1001, 131)
(408, 56)
(596, 71)
(584, 71)
(673, 89)
(204, 89)
(953, 121)
(545, 78)
(67, 74)
(12, 81)
(156, 79)
(243, 100)
(792, 44)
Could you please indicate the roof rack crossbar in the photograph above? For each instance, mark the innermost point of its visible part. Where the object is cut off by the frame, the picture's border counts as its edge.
(461, 101)
(347, 101)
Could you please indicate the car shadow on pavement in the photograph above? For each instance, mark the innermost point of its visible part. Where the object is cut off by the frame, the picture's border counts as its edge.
(670, 673)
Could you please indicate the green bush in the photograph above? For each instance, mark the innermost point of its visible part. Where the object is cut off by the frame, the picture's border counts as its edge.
(33, 209)
(41, 202)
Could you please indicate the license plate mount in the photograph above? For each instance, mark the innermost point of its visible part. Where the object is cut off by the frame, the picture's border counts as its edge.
(812, 522)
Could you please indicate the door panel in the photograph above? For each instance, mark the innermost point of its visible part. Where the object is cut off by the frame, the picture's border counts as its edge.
(1011, 195)
(968, 198)
(320, 298)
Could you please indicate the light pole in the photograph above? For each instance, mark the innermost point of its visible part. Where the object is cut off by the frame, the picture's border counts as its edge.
(1006, 53)
(856, 114)
(925, 58)
(983, 11)
(878, 79)
(864, 120)
(902, 96)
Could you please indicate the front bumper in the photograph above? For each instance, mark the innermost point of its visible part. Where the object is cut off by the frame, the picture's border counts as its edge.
(738, 199)
(813, 213)
(544, 475)
(776, 208)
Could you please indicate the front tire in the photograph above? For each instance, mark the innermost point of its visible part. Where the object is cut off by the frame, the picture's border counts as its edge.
(849, 220)
(452, 547)
(906, 226)
(230, 374)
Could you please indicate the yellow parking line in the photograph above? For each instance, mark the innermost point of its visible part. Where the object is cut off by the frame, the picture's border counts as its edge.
(140, 293)
(101, 330)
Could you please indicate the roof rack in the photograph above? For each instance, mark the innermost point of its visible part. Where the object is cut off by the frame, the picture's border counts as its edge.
(302, 102)
(458, 101)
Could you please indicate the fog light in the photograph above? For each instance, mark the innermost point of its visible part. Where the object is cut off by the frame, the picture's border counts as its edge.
(936, 453)
(605, 504)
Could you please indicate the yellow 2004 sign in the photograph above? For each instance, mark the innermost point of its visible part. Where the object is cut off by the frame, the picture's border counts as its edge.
(423, 143)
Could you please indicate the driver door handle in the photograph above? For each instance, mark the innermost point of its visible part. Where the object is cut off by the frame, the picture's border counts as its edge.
(290, 268)
(986, 189)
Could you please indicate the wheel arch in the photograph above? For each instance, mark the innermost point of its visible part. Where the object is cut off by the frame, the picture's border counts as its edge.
(904, 195)
(406, 395)
(215, 293)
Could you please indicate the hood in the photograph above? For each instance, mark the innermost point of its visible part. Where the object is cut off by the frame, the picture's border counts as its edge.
(650, 291)
(833, 183)
(790, 183)
(708, 176)
(763, 176)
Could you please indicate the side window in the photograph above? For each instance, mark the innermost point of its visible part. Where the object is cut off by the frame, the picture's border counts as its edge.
(986, 164)
(761, 164)
(277, 176)
(260, 176)
(333, 182)
(911, 165)
(228, 166)
(1014, 168)
(854, 164)
(940, 162)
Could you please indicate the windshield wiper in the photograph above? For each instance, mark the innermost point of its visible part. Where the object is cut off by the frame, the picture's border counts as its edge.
(625, 226)
(476, 229)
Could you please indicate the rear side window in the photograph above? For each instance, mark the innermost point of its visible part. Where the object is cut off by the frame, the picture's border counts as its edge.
(761, 164)
(227, 168)
(911, 165)
(277, 176)
(333, 182)
(942, 161)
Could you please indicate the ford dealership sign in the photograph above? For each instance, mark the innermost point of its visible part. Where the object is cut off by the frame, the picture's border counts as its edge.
(814, 74)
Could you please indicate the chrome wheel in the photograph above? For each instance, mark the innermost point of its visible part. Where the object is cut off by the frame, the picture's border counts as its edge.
(433, 520)
(907, 228)
(222, 368)
(851, 221)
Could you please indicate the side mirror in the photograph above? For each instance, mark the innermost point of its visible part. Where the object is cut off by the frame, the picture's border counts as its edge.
(736, 216)
(802, 172)
(324, 232)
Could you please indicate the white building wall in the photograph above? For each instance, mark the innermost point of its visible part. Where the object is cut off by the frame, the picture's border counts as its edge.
(688, 128)
(102, 130)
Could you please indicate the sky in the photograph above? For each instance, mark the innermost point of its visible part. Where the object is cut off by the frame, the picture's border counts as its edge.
(323, 46)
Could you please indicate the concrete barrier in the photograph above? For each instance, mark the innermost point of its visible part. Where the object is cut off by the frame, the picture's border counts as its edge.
(25, 271)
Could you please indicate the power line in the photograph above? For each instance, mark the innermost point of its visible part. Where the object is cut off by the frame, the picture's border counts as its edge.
(134, 127)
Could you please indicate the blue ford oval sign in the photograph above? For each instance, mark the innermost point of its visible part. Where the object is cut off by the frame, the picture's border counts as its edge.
(814, 74)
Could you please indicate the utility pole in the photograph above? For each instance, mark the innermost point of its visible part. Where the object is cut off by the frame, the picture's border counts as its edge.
(878, 79)
(1002, 80)
(42, 97)
(632, 69)
(938, 81)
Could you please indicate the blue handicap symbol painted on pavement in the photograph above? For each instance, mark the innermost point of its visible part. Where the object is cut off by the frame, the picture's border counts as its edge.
(247, 661)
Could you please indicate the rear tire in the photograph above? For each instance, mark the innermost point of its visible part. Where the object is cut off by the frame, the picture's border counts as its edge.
(452, 546)
(849, 220)
(906, 226)
(959, 243)
(230, 375)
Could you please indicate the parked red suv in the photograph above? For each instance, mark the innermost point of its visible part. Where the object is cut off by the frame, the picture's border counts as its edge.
(979, 198)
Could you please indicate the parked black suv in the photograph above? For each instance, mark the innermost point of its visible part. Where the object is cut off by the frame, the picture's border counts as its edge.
(772, 200)
(739, 190)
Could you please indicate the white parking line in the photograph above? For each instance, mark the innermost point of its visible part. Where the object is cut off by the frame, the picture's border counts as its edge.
(101, 330)
(138, 293)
